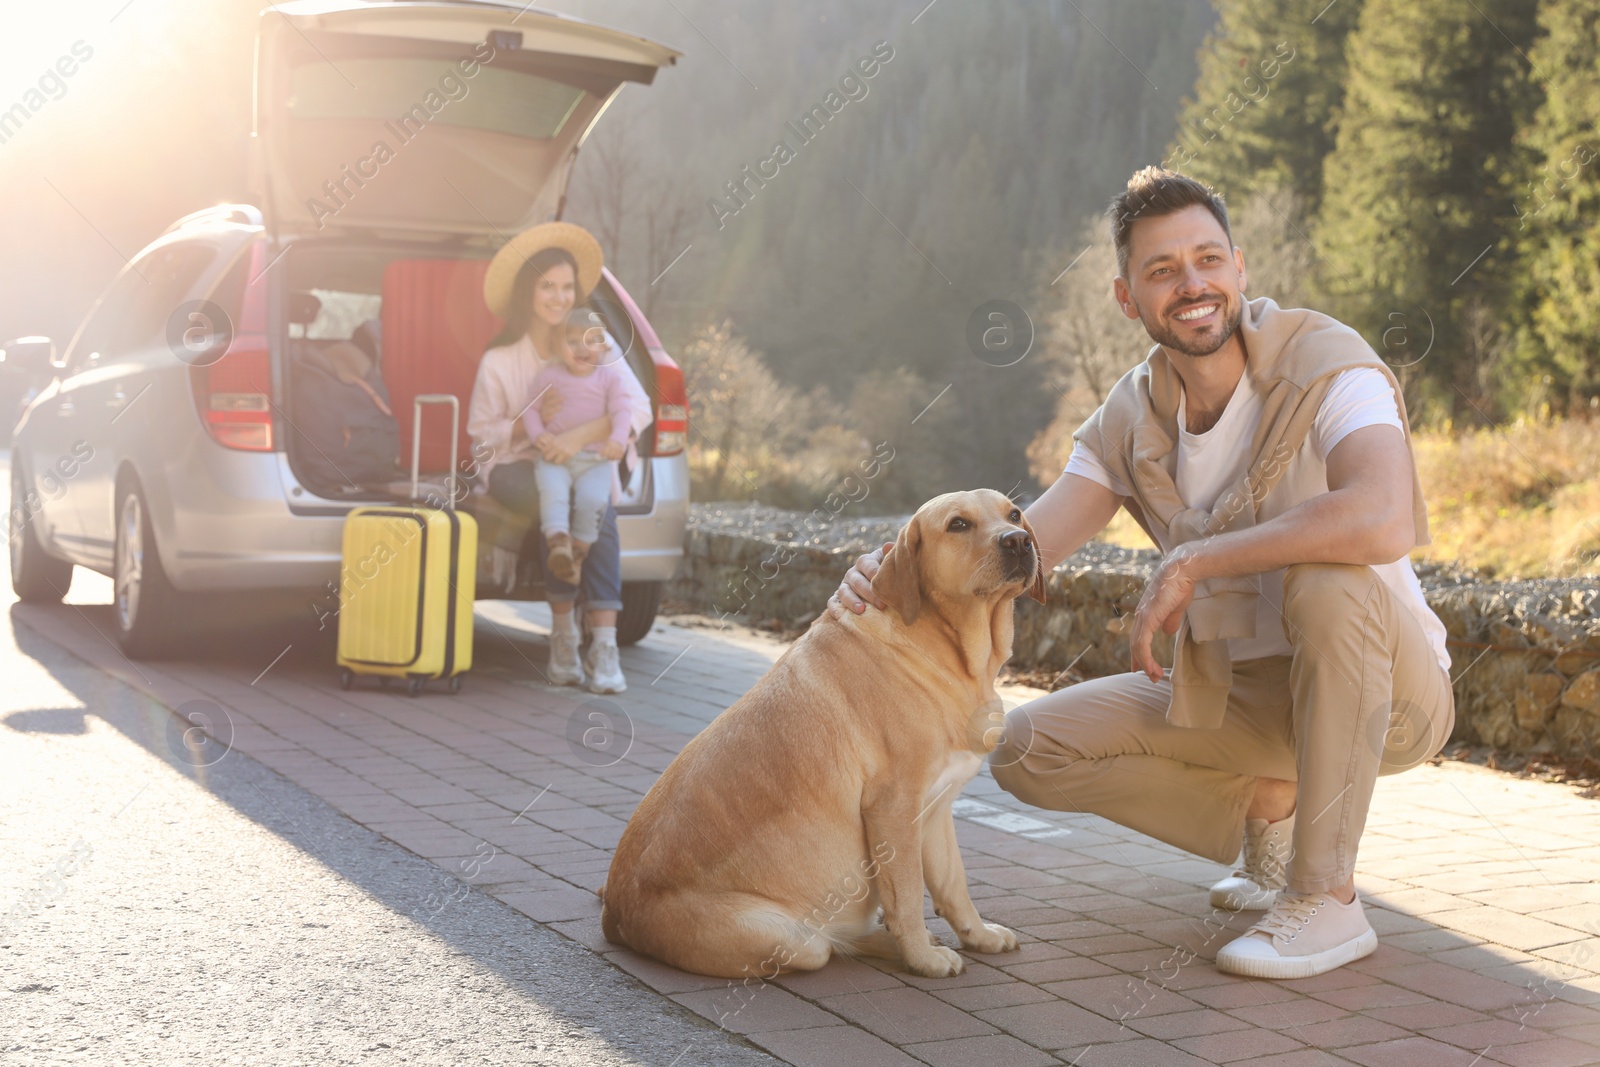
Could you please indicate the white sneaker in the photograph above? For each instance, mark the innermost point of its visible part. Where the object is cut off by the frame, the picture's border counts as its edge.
(1304, 934)
(564, 668)
(605, 669)
(1267, 847)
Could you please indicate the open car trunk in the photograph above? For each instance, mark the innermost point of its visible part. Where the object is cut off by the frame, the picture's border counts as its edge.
(421, 320)
(432, 119)
(396, 145)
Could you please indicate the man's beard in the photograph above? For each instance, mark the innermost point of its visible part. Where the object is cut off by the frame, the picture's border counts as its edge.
(1202, 345)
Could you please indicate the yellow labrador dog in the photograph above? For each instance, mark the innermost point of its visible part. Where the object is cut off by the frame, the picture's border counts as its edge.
(822, 797)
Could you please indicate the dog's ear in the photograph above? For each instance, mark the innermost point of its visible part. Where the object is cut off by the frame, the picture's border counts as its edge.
(1036, 589)
(899, 580)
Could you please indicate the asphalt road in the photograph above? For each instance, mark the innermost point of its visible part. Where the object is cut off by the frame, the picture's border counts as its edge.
(148, 915)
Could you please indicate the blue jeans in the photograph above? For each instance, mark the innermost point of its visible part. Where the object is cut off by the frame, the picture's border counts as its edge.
(600, 584)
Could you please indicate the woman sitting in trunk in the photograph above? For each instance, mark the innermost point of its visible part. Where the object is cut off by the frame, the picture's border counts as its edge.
(532, 284)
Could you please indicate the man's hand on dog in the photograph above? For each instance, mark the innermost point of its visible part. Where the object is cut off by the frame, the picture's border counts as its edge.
(855, 591)
(1165, 599)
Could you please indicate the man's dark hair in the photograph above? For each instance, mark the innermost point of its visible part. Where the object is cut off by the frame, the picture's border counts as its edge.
(1152, 193)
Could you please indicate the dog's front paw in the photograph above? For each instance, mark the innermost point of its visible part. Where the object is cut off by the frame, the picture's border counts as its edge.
(937, 962)
(990, 937)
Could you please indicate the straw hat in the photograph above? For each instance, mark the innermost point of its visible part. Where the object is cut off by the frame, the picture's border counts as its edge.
(509, 261)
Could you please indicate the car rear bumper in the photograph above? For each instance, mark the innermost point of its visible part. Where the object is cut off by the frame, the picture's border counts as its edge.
(249, 536)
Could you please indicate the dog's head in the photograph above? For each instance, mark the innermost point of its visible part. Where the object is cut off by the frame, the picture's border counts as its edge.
(961, 545)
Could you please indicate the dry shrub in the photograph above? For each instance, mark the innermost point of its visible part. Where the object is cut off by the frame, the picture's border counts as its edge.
(1521, 499)
(753, 437)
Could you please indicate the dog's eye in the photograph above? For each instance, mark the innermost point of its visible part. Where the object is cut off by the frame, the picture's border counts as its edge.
(1016, 515)
(958, 524)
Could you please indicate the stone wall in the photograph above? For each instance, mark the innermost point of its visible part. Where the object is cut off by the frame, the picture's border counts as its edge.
(1525, 655)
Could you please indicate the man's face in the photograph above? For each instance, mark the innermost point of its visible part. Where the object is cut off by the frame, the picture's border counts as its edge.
(1184, 281)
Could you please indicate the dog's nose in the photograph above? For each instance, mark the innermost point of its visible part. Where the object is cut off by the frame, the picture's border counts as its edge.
(1015, 542)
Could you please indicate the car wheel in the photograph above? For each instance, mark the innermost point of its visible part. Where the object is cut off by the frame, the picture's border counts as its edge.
(640, 603)
(145, 608)
(36, 576)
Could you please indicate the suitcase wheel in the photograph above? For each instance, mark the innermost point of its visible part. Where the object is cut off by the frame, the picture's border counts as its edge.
(347, 677)
(414, 687)
(455, 683)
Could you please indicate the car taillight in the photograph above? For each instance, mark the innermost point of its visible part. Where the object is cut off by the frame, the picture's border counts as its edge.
(672, 408)
(235, 398)
(672, 399)
(234, 394)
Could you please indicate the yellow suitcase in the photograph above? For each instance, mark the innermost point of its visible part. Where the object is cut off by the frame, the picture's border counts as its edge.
(407, 582)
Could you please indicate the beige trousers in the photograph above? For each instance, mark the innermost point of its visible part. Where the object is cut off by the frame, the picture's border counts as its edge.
(1361, 694)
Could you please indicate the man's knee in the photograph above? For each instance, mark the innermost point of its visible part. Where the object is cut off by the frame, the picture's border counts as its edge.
(1016, 741)
(1009, 762)
(1317, 596)
(1033, 758)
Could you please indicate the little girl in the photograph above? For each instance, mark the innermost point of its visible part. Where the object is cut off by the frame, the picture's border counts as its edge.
(573, 495)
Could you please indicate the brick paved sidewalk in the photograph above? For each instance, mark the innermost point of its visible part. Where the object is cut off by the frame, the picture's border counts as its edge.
(1482, 887)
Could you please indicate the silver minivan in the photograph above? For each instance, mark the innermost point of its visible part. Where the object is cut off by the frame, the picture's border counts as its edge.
(396, 146)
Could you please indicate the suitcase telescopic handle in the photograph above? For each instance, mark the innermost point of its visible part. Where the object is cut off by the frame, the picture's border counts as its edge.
(416, 442)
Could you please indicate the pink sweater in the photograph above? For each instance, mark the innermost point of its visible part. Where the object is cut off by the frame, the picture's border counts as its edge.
(582, 399)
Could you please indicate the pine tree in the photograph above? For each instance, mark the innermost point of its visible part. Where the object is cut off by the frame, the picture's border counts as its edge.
(1264, 109)
(1416, 212)
(1558, 211)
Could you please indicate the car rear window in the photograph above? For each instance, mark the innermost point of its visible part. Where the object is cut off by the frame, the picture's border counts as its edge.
(339, 315)
(501, 101)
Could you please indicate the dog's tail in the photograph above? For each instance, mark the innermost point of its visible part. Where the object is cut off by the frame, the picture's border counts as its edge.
(611, 921)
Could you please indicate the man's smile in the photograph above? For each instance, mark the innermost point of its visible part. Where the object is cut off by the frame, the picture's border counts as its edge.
(1194, 314)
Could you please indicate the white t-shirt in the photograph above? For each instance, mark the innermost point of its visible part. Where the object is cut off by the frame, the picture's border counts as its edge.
(1210, 462)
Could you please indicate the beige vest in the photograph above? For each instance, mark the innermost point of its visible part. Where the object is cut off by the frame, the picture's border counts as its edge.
(1293, 354)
